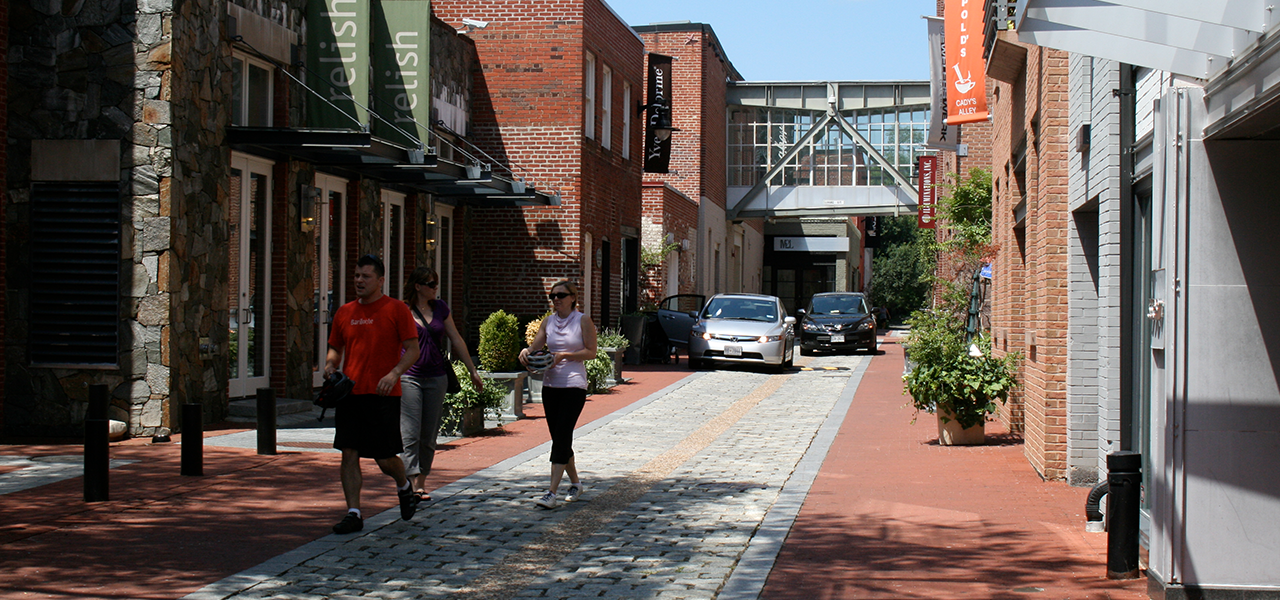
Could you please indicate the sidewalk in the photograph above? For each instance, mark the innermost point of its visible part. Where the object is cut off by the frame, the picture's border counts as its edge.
(894, 515)
(163, 535)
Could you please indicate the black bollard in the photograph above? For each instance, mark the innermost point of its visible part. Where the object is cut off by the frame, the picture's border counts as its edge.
(97, 458)
(266, 421)
(193, 439)
(1124, 478)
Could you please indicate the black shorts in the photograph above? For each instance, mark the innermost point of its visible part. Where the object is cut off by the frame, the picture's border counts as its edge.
(368, 424)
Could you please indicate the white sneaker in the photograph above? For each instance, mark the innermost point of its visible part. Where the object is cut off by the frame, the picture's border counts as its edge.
(548, 500)
(575, 492)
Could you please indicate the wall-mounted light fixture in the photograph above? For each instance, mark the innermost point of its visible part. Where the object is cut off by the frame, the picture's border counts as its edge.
(307, 196)
(429, 232)
(659, 119)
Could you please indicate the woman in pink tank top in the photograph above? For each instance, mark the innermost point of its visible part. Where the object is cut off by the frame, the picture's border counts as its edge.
(571, 337)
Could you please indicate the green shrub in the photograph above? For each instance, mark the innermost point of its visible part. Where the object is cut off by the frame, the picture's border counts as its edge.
(499, 343)
(945, 378)
(598, 371)
(491, 399)
(611, 338)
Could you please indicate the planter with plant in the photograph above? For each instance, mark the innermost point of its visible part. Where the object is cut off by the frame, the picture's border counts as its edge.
(612, 342)
(951, 370)
(465, 411)
(498, 350)
(599, 370)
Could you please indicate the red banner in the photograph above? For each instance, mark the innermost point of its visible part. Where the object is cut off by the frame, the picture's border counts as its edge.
(926, 209)
(966, 75)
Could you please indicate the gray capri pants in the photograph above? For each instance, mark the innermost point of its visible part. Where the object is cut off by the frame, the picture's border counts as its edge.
(421, 407)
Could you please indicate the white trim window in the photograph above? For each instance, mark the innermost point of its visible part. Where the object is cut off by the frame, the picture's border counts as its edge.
(606, 109)
(589, 96)
(626, 119)
(393, 250)
(252, 83)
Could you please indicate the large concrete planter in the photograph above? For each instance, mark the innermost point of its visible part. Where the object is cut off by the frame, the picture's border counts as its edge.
(951, 433)
(534, 385)
(616, 376)
(513, 403)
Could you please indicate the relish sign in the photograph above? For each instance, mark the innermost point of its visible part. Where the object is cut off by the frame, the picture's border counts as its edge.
(966, 75)
(338, 63)
(926, 211)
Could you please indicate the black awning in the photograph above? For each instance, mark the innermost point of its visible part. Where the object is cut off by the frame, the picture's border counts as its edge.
(358, 154)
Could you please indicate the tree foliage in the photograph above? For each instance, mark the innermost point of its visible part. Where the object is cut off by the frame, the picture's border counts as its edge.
(903, 266)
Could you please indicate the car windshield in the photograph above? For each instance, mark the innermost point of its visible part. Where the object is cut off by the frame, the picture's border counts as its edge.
(838, 305)
(743, 309)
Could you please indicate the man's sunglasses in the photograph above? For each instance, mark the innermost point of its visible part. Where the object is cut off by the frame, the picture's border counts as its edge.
(558, 296)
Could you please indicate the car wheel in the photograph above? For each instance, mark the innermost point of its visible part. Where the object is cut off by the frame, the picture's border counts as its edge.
(694, 364)
(805, 351)
(787, 364)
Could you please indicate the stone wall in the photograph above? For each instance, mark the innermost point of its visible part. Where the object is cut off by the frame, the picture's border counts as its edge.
(88, 71)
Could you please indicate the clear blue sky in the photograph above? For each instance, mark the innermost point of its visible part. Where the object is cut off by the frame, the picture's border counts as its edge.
(803, 40)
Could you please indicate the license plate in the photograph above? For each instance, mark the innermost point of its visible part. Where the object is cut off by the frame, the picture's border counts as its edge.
(837, 338)
(733, 350)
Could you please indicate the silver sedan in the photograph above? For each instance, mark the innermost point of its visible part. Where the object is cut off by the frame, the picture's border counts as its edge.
(744, 328)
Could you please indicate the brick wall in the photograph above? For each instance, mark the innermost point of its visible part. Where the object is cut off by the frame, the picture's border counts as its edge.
(1030, 304)
(667, 211)
(528, 111)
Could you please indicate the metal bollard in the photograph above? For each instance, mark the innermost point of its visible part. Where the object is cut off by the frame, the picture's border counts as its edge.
(1124, 478)
(97, 457)
(266, 421)
(193, 439)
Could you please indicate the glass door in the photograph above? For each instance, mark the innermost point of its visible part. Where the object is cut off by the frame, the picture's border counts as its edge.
(393, 243)
(250, 270)
(330, 275)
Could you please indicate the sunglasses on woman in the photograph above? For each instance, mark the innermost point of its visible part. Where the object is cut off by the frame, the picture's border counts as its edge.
(431, 284)
(558, 296)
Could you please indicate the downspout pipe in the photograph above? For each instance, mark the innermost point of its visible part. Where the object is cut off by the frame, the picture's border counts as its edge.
(1093, 507)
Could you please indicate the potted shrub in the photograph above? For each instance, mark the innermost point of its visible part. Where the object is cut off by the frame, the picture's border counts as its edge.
(957, 383)
(951, 370)
(498, 349)
(599, 370)
(464, 412)
(614, 344)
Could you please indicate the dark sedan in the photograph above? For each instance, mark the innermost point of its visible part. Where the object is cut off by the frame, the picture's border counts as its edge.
(837, 321)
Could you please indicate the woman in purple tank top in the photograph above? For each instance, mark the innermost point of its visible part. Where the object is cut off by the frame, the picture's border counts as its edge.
(571, 337)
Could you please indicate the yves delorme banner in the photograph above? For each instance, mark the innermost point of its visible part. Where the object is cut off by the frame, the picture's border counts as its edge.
(657, 153)
(926, 209)
(401, 70)
(338, 63)
(941, 136)
(966, 76)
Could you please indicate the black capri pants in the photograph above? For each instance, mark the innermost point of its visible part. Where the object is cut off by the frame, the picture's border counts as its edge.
(563, 407)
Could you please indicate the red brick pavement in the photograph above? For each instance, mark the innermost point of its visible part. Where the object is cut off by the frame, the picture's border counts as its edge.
(894, 515)
(163, 535)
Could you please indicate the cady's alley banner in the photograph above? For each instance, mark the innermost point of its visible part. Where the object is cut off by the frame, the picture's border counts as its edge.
(966, 78)
(401, 73)
(338, 63)
(657, 152)
(926, 210)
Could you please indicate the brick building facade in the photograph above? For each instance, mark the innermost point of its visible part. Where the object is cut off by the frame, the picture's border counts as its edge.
(728, 256)
(549, 101)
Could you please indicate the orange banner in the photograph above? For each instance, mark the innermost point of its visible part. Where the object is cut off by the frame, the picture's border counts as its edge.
(966, 75)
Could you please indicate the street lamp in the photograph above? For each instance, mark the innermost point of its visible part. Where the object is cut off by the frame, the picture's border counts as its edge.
(659, 119)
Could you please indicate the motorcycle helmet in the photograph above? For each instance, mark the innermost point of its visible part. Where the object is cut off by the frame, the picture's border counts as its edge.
(540, 361)
(336, 387)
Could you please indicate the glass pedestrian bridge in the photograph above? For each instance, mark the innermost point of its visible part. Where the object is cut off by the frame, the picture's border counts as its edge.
(824, 148)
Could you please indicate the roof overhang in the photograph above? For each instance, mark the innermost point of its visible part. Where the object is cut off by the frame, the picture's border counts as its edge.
(361, 155)
(1231, 44)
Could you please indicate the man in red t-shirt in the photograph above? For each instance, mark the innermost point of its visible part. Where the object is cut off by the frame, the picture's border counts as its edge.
(375, 341)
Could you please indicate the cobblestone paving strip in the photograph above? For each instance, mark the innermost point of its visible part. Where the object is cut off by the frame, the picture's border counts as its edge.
(682, 484)
(515, 572)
